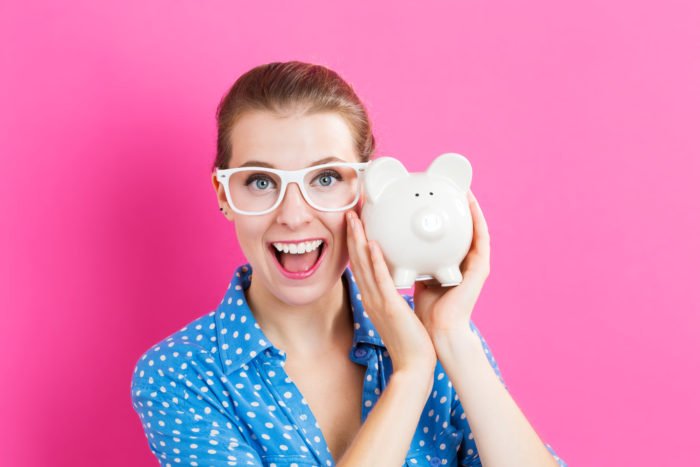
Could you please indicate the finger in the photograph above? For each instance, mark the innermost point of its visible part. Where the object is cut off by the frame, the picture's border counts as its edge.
(359, 258)
(478, 259)
(481, 230)
(381, 272)
(353, 253)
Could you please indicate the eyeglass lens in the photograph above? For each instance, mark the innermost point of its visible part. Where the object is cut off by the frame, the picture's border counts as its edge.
(331, 187)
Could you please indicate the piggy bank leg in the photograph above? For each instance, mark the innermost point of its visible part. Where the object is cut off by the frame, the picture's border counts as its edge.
(404, 278)
(449, 276)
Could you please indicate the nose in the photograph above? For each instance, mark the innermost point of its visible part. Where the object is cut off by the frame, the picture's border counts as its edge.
(429, 223)
(294, 210)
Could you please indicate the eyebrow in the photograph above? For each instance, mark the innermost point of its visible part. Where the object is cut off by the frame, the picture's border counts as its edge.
(265, 164)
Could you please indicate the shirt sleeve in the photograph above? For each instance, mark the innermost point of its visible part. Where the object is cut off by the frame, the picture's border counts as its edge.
(468, 454)
(184, 422)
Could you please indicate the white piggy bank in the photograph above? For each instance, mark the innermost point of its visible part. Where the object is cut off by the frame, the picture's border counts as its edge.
(421, 220)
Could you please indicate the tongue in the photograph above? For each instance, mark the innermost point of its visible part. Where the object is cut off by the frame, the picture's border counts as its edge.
(298, 263)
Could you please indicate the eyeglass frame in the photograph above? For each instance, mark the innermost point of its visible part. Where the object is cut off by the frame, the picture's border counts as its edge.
(287, 177)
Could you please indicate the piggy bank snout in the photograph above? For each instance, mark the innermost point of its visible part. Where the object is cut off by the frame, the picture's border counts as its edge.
(429, 223)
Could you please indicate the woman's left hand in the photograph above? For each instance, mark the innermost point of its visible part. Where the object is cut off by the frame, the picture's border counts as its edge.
(444, 310)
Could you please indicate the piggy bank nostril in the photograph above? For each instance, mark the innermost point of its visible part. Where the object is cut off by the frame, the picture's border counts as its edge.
(429, 223)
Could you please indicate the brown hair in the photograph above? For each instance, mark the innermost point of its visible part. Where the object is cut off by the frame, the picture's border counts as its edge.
(287, 86)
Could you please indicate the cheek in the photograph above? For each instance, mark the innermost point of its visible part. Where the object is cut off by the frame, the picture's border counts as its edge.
(336, 224)
(248, 229)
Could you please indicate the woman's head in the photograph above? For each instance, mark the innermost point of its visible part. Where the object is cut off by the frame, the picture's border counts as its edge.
(289, 116)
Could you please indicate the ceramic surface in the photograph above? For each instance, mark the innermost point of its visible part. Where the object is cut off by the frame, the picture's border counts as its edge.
(421, 220)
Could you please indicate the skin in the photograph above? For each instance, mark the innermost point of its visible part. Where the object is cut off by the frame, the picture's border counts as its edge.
(309, 317)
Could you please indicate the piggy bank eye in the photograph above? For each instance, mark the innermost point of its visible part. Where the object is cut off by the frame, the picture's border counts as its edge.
(417, 194)
(431, 193)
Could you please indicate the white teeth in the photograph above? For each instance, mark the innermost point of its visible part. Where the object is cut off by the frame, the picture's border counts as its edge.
(298, 248)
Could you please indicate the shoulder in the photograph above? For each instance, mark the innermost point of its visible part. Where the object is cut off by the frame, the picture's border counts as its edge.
(180, 356)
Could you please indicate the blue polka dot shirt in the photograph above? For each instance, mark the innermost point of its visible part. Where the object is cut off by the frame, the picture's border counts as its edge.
(215, 393)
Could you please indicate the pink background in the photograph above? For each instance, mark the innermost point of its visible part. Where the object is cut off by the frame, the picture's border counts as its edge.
(581, 122)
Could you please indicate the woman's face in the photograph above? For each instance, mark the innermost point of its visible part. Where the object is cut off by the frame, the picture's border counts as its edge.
(290, 143)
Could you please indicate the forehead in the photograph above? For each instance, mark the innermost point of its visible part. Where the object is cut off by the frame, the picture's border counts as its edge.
(290, 142)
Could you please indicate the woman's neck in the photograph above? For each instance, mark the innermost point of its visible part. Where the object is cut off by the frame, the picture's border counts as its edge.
(303, 331)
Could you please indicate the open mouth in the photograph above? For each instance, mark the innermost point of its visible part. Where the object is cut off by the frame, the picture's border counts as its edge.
(298, 266)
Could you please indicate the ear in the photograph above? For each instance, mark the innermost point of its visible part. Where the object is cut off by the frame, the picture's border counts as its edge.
(455, 167)
(380, 173)
(221, 196)
(218, 188)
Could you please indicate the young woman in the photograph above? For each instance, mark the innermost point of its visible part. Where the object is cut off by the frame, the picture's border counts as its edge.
(307, 361)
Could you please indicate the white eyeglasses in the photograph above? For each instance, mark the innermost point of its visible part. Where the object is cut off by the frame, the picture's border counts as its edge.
(258, 190)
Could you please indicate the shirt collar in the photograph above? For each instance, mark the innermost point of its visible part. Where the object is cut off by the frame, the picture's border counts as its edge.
(240, 338)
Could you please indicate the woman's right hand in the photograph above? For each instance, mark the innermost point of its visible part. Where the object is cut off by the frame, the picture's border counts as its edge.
(406, 339)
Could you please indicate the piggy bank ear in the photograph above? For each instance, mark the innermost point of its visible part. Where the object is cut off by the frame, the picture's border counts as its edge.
(454, 166)
(380, 173)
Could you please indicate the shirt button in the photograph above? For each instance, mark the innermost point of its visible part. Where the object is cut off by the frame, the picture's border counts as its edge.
(359, 353)
(435, 461)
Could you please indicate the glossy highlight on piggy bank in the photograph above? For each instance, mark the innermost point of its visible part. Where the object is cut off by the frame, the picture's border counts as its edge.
(421, 220)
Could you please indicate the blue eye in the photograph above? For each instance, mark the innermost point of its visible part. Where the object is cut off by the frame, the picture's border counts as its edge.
(262, 182)
(327, 176)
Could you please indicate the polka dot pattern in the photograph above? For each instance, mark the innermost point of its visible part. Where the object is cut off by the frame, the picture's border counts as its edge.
(215, 393)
